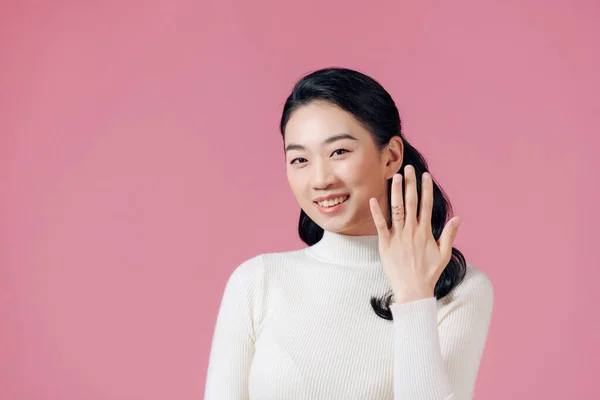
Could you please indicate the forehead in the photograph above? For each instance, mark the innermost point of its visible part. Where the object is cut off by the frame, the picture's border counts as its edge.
(314, 122)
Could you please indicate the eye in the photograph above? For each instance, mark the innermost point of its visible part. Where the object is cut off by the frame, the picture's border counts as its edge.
(301, 160)
(338, 150)
(296, 159)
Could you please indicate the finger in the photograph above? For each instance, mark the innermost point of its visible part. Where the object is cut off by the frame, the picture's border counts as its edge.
(379, 219)
(447, 237)
(410, 198)
(397, 203)
(426, 202)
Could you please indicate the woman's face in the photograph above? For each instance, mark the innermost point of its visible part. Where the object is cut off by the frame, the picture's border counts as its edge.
(329, 153)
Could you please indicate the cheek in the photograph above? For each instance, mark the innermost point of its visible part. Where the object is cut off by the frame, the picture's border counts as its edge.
(297, 183)
(359, 175)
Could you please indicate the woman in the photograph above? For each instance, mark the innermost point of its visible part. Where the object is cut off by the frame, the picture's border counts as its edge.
(299, 324)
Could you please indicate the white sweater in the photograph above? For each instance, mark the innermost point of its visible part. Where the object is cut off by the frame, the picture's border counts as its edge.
(299, 325)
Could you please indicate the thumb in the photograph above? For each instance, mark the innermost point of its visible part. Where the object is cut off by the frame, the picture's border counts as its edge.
(447, 237)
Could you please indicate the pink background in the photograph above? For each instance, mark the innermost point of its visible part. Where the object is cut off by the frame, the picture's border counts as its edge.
(140, 163)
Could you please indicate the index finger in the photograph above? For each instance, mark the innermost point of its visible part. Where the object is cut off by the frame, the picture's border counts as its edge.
(379, 219)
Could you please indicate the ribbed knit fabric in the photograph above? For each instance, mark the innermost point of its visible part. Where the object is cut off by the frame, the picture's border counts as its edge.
(299, 325)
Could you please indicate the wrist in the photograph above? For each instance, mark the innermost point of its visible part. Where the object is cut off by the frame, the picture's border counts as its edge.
(407, 297)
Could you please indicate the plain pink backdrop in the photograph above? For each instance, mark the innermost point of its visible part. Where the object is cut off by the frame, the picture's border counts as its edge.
(140, 163)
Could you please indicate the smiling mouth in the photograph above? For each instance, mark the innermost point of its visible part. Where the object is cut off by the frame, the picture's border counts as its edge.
(333, 202)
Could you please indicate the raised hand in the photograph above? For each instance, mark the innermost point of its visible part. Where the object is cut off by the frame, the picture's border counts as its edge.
(411, 257)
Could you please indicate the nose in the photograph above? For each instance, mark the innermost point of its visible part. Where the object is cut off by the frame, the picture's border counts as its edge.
(321, 176)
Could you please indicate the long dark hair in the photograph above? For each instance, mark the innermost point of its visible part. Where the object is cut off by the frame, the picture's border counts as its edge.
(372, 105)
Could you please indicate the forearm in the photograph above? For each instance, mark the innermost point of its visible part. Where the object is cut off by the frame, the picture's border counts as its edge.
(419, 371)
(438, 344)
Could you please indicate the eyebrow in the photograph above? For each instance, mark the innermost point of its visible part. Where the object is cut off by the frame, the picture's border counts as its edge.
(329, 140)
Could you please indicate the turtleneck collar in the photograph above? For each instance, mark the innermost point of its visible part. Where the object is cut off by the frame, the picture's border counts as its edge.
(341, 249)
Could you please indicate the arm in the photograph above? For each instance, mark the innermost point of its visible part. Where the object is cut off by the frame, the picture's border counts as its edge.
(437, 354)
(233, 341)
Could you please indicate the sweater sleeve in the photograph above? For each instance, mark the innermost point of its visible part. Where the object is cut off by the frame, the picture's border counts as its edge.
(232, 347)
(437, 352)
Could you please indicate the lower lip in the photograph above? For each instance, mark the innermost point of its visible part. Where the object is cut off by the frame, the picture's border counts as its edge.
(333, 209)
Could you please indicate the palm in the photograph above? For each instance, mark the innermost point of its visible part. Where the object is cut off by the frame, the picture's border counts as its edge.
(411, 257)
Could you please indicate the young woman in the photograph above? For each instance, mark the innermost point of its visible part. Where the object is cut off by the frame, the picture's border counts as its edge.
(379, 305)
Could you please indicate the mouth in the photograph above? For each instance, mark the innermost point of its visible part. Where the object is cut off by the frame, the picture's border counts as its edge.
(332, 205)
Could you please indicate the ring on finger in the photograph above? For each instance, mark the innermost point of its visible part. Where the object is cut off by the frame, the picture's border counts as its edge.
(398, 210)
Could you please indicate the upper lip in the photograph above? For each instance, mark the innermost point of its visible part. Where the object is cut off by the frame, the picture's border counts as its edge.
(329, 197)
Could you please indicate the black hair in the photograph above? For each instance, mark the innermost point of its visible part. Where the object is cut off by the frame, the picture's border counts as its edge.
(372, 105)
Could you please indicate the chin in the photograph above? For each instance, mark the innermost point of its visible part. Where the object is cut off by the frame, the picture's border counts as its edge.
(336, 225)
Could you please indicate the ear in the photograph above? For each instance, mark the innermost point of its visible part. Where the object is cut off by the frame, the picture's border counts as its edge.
(393, 155)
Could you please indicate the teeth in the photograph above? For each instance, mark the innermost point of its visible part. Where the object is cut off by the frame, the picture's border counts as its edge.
(332, 202)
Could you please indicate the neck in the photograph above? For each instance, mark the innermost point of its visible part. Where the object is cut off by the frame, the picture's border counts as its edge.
(337, 248)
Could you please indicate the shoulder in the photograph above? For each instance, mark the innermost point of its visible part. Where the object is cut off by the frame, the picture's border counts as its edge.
(253, 270)
(476, 288)
(269, 261)
(247, 276)
(475, 280)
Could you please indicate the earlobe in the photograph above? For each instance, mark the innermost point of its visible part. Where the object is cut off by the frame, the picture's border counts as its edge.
(394, 153)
